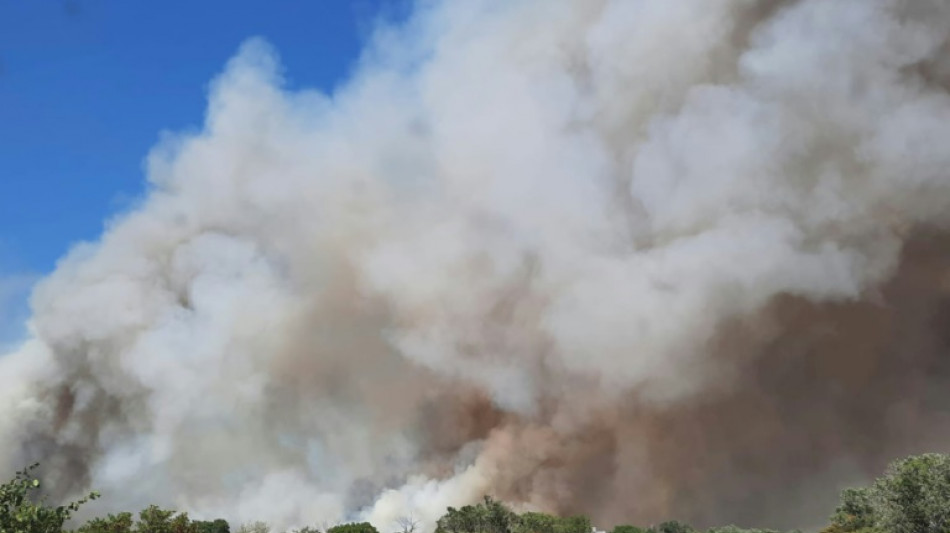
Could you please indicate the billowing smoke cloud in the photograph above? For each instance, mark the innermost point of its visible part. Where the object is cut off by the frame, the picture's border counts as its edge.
(640, 259)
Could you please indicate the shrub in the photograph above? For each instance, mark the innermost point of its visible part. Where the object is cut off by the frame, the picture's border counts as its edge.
(23, 511)
(362, 527)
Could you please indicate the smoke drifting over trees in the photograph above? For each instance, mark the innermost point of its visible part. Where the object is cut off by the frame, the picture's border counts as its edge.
(632, 259)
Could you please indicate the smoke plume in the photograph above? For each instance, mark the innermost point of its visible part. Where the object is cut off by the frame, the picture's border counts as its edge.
(642, 259)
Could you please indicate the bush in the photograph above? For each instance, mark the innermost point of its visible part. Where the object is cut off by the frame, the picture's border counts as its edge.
(362, 527)
(854, 513)
(213, 526)
(537, 523)
(673, 526)
(306, 529)
(153, 520)
(120, 523)
(626, 528)
(254, 527)
(545, 523)
(735, 529)
(22, 511)
(913, 496)
(489, 516)
(573, 524)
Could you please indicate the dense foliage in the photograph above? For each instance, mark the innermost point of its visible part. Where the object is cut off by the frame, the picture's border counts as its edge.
(674, 526)
(21, 511)
(913, 496)
(153, 520)
(491, 516)
(362, 527)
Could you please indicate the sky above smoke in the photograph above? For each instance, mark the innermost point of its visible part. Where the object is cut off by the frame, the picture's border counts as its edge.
(632, 258)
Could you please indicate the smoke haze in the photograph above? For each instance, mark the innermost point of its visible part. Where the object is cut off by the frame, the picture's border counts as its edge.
(639, 259)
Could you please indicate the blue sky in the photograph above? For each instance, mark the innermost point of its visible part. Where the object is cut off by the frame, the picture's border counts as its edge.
(86, 87)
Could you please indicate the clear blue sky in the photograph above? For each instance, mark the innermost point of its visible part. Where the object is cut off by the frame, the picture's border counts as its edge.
(86, 86)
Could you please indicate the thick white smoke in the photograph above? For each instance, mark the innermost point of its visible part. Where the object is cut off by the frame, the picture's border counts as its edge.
(489, 263)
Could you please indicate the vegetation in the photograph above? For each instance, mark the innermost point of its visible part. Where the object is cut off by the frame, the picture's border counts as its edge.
(254, 527)
(913, 496)
(21, 511)
(153, 520)
(362, 527)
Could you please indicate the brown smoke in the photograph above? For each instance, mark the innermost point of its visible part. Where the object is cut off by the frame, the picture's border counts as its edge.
(819, 396)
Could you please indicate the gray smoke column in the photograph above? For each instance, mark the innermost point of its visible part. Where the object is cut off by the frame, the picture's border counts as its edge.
(642, 259)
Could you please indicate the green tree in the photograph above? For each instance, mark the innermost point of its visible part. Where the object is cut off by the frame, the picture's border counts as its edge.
(254, 527)
(736, 529)
(23, 511)
(573, 524)
(544, 523)
(854, 513)
(216, 526)
(914, 495)
(120, 523)
(361, 527)
(490, 516)
(305, 529)
(153, 520)
(536, 523)
(673, 526)
(627, 528)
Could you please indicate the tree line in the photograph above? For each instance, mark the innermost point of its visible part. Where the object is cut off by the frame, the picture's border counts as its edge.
(913, 496)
